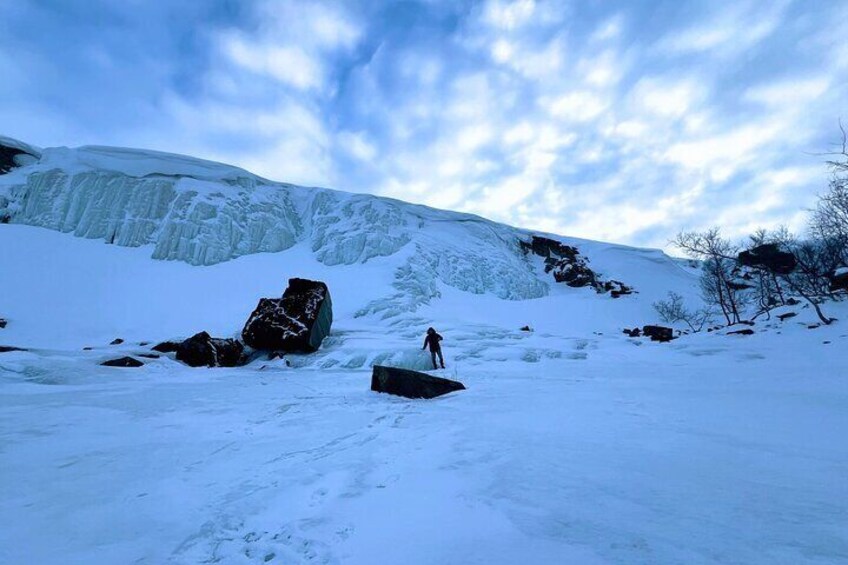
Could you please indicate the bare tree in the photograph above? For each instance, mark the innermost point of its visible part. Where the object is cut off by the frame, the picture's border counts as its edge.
(718, 280)
(674, 310)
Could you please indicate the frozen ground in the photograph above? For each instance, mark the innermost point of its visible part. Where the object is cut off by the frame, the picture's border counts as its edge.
(572, 444)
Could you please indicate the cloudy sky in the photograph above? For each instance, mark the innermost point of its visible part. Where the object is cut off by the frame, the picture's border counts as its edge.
(621, 121)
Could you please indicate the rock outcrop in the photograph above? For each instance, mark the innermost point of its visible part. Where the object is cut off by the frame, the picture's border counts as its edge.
(567, 266)
(297, 322)
(203, 350)
(411, 384)
(769, 257)
(166, 346)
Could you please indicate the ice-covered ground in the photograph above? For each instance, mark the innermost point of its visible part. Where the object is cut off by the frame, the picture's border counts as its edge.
(572, 444)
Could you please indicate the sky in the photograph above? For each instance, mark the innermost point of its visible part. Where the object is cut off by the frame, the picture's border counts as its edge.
(618, 121)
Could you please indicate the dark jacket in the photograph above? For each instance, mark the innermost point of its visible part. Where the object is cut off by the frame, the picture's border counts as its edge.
(433, 340)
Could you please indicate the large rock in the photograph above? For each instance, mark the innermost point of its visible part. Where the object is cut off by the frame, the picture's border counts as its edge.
(658, 333)
(297, 322)
(203, 350)
(839, 280)
(770, 257)
(411, 384)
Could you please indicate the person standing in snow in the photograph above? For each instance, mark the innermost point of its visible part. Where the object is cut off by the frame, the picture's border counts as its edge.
(433, 340)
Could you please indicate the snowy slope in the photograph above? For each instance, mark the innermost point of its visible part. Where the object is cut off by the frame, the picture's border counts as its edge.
(206, 213)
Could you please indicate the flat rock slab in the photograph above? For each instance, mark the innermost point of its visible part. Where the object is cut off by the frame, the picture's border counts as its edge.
(411, 384)
(123, 362)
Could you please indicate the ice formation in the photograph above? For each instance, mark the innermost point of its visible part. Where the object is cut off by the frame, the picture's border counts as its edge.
(205, 213)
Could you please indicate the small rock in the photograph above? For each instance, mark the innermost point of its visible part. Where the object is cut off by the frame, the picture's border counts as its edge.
(8, 348)
(117, 341)
(87, 348)
(746, 331)
(526, 329)
(3, 323)
(123, 362)
(149, 355)
(784, 317)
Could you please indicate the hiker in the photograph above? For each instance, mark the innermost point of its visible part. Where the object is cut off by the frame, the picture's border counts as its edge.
(433, 340)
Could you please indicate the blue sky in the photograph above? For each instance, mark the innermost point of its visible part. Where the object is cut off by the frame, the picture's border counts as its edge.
(620, 121)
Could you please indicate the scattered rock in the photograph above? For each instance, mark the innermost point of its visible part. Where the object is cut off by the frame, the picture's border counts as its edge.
(784, 317)
(117, 341)
(635, 332)
(658, 333)
(166, 346)
(87, 348)
(8, 348)
(411, 384)
(770, 257)
(526, 329)
(123, 362)
(143, 343)
(203, 350)
(299, 321)
(746, 331)
(826, 342)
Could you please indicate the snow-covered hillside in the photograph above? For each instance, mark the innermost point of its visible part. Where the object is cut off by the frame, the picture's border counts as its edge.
(206, 213)
(573, 443)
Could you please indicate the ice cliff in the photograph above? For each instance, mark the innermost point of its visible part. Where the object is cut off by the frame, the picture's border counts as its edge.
(204, 213)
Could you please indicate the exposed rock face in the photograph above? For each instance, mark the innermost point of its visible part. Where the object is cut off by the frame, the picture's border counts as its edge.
(123, 362)
(202, 350)
(567, 266)
(411, 384)
(297, 322)
(658, 333)
(770, 257)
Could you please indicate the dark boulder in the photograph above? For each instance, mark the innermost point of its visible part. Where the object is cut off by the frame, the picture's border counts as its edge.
(299, 321)
(3, 323)
(784, 317)
(12, 157)
(526, 329)
(746, 331)
(117, 341)
(658, 333)
(635, 332)
(8, 348)
(123, 362)
(770, 257)
(203, 350)
(149, 355)
(839, 280)
(166, 346)
(411, 384)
